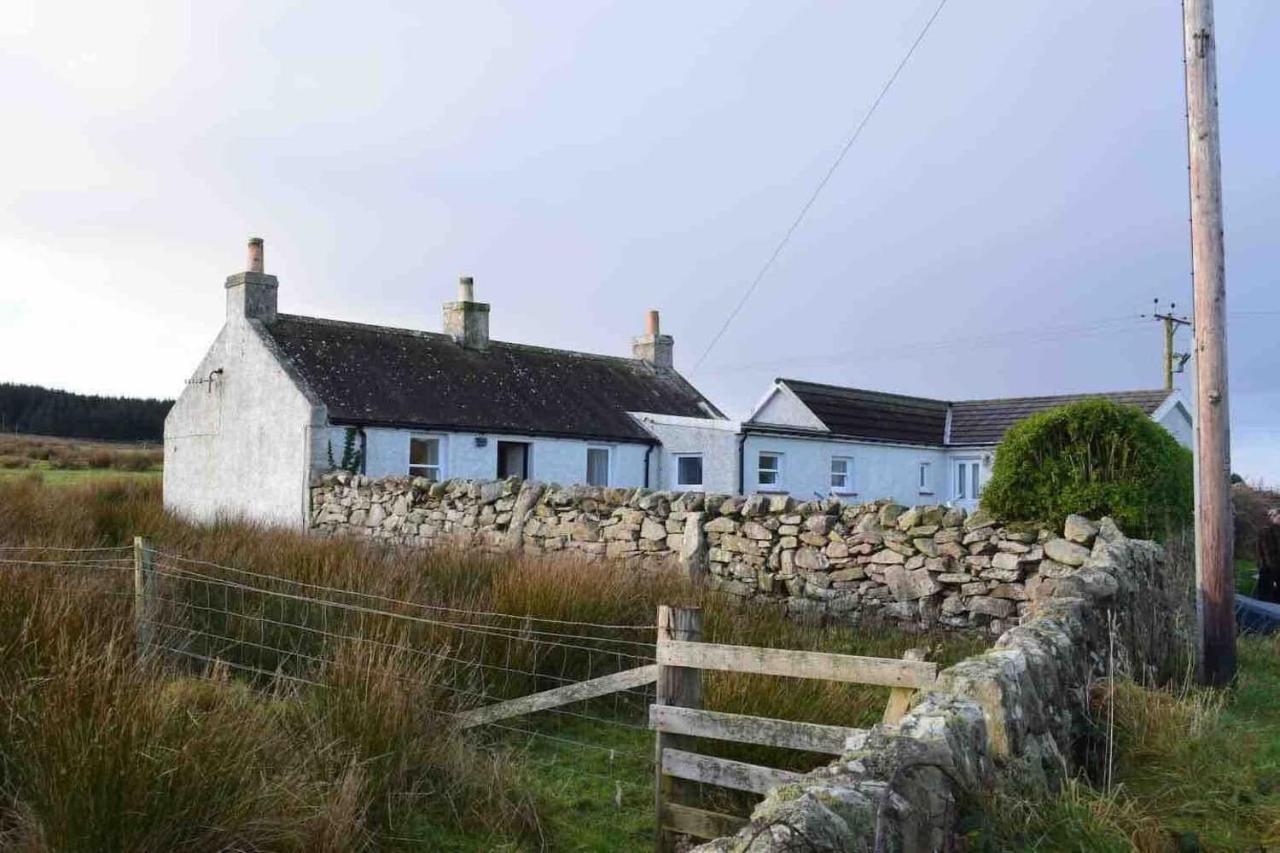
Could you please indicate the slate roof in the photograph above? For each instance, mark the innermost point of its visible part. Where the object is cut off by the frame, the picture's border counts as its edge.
(876, 416)
(977, 422)
(378, 376)
(873, 415)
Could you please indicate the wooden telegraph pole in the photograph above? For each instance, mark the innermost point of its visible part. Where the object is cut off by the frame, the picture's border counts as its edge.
(1171, 323)
(1215, 573)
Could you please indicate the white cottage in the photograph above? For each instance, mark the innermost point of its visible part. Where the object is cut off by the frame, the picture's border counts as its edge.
(279, 397)
(813, 440)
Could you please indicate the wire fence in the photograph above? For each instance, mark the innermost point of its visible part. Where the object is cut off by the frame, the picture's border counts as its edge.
(199, 618)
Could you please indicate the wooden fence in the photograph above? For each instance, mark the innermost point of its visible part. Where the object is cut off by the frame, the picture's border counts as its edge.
(677, 717)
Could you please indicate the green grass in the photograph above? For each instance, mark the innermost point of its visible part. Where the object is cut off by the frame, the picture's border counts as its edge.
(1195, 769)
(72, 476)
(1246, 576)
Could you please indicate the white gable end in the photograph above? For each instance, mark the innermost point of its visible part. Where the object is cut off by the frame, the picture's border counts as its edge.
(781, 407)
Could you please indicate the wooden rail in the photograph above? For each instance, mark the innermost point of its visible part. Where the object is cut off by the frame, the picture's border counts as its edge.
(741, 728)
(575, 692)
(885, 672)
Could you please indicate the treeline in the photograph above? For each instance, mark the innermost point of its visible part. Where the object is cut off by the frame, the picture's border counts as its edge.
(46, 411)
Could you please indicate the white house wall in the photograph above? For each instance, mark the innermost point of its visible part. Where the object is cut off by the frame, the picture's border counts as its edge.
(239, 445)
(879, 470)
(716, 441)
(1177, 420)
(552, 460)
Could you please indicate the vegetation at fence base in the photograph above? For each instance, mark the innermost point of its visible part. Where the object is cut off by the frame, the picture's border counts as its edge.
(1094, 458)
(98, 753)
(48, 411)
(373, 754)
(40, 453)
(1194, 769)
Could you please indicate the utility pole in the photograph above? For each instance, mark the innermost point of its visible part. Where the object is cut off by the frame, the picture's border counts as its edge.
(1171, 323)
(1215, 575)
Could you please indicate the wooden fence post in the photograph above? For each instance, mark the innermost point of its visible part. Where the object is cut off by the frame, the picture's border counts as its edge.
(143, 579)
(680, 686)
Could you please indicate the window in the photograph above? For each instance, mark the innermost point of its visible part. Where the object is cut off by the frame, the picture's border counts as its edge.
(424, 458)
(769, 470)
(689, 471)
(597, 466)
(841, 474)
(926, 479)
(967, 482)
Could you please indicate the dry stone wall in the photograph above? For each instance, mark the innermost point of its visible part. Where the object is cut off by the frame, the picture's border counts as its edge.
(920, 567)
(1017, 715)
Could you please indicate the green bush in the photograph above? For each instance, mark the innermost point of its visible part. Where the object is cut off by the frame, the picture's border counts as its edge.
(1094, 458)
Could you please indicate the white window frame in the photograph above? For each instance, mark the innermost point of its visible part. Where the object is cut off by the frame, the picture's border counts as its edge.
(608, 465)
(847, 488)
(675, 474)
(963, 483)
(776, 485)
(926, 478)
(416, 470)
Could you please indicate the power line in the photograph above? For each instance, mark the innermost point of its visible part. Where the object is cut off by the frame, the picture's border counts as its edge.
(786, 238)
(1022, 336)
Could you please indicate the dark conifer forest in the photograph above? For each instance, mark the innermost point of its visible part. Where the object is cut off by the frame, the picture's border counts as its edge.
(46, 411)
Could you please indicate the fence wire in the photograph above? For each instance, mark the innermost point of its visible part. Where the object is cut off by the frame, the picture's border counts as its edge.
(200, 619)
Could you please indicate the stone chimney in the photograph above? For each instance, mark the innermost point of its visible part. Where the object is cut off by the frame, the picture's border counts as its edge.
(653, 347)
(251, 295)
(467, 320)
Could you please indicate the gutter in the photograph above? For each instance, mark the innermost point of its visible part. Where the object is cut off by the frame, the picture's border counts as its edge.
(491, 430)
(742, 475)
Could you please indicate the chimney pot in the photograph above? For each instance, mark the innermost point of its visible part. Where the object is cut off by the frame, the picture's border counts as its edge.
(653, 347)
(251, 295)
(466, 320)
(255, 254)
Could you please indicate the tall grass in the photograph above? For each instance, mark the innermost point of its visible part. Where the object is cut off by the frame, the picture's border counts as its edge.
(97, 753)
(1194, 769)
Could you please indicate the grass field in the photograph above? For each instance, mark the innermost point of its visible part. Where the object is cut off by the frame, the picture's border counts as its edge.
(99, 754)
(61, 461)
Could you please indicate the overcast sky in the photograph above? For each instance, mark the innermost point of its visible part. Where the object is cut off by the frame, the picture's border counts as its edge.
(1018, 199)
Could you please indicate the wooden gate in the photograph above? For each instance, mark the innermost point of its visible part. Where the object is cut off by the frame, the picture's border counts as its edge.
(678, 716)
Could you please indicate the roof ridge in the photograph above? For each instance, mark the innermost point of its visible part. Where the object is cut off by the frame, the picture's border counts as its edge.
(1064, 396)
(785, 380)
(420, 333)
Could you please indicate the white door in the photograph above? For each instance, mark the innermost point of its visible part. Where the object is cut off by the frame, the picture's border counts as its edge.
(967, 484)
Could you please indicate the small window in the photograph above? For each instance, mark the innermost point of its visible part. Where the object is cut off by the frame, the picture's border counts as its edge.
(597, 466)
(424, 458)
(769, 470)
(689, 471)
(926, 479)
(841, 474)
(968, 481)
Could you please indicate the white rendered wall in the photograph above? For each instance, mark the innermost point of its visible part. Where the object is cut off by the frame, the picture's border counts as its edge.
(551, 460)
(1177, 420)
(240, 446)
(879, 470)
(715, 440)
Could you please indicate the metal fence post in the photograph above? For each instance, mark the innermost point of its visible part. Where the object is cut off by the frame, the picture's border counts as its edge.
(676, 685)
